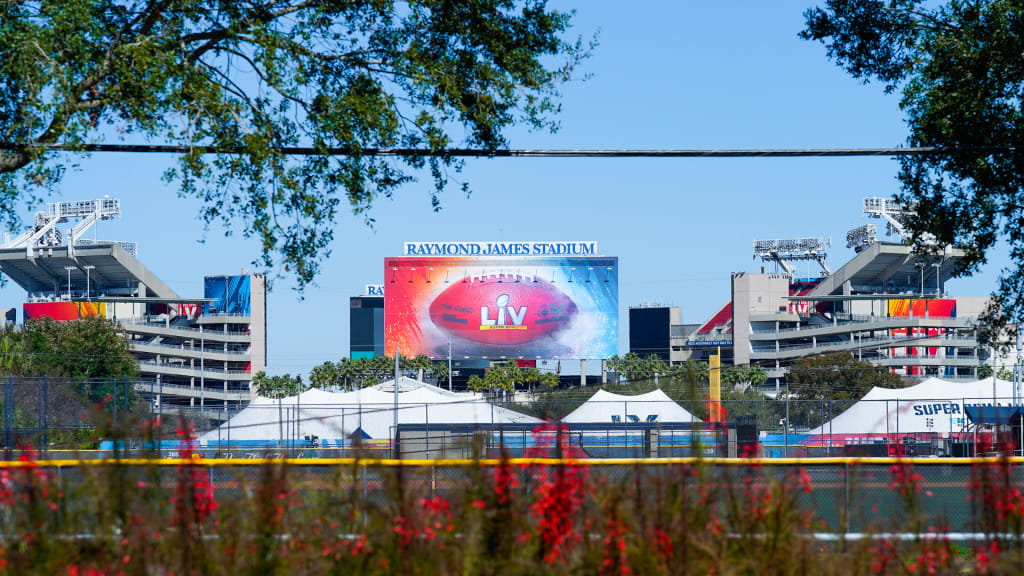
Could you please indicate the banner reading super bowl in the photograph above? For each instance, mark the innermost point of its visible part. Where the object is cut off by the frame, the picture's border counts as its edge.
(565, 307)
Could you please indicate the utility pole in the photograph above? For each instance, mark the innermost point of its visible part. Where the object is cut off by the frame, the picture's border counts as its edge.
(394, 436)
(1017, 376)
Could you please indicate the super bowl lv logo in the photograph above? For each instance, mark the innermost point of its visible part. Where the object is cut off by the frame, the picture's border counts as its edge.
(506, 317)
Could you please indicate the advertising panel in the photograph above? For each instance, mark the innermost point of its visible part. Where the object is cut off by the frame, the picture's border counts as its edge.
(933, 308)
(502, 307)
(936, 308)
(63, 311)
(231, 292)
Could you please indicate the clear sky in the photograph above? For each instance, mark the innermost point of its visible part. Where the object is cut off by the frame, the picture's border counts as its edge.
(667, 74)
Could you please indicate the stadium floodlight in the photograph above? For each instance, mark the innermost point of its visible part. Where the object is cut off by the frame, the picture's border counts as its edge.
(45, 232)
(861, 237)
(786, 250)
(892, 211)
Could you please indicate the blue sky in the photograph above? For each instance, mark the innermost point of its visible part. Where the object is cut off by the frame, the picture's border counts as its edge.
(665, 75)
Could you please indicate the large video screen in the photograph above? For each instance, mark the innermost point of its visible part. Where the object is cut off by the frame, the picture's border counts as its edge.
(232, 294)
(502, 307)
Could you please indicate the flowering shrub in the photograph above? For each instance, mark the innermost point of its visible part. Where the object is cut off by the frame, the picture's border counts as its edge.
(529, 516)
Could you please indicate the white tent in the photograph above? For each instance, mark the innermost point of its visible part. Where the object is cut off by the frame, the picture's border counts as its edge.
(932, 406)
(334, 416)
(605, 406)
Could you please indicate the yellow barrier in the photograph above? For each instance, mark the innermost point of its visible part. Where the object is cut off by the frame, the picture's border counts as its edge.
(390, 462)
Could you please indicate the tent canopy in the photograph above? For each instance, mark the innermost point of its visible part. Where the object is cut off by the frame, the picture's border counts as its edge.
(982, 414)
(653, 406)
(934, 405)
(370, 411)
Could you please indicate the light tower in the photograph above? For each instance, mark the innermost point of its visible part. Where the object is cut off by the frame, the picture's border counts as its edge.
(785, 251)
(861, 237)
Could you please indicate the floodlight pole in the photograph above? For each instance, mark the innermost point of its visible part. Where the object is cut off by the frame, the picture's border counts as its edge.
(88, 268)
(69, 269)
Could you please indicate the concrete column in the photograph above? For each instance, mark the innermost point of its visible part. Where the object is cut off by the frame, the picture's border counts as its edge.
(583, 372)
(604, 372)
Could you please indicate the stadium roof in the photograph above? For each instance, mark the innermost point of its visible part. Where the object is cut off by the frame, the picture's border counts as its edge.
(114, 272)
(884, 267)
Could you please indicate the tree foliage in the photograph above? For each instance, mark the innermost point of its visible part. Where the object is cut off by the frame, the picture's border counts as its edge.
(248, 77)
(830, 383)
(349, 374)
(278, 386)
(959, 66)
(635, 368)
(88, 348)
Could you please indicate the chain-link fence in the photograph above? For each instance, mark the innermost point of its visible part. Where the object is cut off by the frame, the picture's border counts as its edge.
(86, 417)
(844, 496)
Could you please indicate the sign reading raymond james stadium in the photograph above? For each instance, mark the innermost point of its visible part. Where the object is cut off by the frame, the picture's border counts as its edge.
(500, 249)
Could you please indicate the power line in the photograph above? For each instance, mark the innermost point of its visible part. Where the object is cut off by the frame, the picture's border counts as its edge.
(528, 153)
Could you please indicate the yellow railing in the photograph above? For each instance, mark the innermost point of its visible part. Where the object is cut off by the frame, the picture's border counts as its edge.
(463, 462)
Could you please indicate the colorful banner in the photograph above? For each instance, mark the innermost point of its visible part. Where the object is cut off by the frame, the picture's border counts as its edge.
(63, 311)
(498, 308)
(933, 308)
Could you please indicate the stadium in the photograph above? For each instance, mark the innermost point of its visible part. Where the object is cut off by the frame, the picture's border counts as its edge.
(479, 305)
(887, 305)
(193, 353)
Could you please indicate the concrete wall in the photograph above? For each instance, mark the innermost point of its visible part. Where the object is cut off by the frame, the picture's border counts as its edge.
(754, 293)
(258, 321)
(970, 306)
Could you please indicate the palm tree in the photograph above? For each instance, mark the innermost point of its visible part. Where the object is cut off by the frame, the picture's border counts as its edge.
(324, 375)
(440, 371)
(549, 380)
(421, 363)
(347, 371)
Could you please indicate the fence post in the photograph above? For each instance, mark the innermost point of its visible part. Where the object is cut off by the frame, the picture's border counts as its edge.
(846, 500)
(46, 414)
(60, 492)
(831, 417)
(8, 417)
(115, 400)
(39, 398)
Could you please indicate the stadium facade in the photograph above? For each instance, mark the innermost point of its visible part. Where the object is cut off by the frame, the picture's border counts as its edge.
(658, 330)
(366, 323)
(193, 352)
(887, 305)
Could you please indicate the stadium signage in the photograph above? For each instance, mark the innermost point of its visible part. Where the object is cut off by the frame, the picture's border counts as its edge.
(500, 249)
(707, 343)
(374, 290)
(937, 408)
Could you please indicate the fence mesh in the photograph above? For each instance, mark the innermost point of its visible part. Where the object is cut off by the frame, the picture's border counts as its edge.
(64, 416)
(844, 495)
